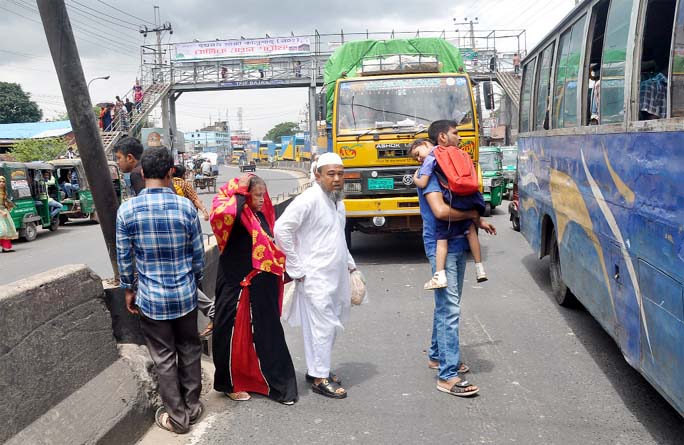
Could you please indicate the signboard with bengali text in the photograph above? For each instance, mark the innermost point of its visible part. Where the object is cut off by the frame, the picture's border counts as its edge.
(227, 49)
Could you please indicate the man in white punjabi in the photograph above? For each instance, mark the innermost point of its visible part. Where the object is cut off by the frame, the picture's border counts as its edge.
(311, 234)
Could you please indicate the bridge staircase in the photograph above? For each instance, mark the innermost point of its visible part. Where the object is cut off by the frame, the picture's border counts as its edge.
(510, 83)
(154, 93)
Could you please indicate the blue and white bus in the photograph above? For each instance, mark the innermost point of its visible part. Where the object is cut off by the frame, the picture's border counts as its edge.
(601, 174)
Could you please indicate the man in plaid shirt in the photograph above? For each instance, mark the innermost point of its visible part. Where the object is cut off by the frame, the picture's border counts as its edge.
(162, 231)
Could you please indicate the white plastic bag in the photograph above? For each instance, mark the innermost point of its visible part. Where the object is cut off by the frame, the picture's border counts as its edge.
(288, 296)
(358, 287)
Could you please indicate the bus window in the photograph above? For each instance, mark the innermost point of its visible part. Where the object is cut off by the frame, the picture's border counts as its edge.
(526, 99)
(677, 70)
(544, 89)
(567, 73)
(612, 95)
(655, 59)
(593, 63)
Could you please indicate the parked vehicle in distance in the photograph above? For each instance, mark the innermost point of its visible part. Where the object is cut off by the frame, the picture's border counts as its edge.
(78, 198)
(510, 166)
(492, 177)
(31, 196)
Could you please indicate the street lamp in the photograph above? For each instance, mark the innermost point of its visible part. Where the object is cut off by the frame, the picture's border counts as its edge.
(97, 78)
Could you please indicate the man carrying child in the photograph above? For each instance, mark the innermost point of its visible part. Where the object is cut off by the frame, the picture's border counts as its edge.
(444, 352)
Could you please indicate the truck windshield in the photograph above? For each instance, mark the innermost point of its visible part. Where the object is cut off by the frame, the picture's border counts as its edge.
(409, 102)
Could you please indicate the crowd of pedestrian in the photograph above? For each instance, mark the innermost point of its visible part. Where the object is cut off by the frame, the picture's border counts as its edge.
(159, 240)
(118, 115)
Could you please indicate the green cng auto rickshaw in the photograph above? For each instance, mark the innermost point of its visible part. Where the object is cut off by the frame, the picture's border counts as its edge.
(73, 185)
(31, 196)
(510, 162)
(492, 177)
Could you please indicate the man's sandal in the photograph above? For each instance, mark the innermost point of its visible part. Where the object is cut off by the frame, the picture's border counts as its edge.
(241, 396)
(332, 377)
(163, 421)
(325, 388)
(460, 389)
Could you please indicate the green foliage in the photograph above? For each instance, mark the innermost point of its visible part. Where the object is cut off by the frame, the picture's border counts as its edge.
(282, 129)
(47, 149)
(16, 106)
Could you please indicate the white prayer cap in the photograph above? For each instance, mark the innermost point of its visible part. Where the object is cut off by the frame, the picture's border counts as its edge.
(328, 159)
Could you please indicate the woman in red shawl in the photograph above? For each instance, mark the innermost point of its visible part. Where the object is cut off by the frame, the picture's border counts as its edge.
(249, 349)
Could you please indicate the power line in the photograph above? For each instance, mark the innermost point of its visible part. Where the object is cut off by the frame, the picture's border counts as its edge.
(135, 25)
(125, 13)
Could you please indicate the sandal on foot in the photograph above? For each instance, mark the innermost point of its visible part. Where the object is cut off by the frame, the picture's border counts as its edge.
(332, 377)
(460, 389)
(198, 416)
(325, 388)
(161, 417)
(436, 282)
(288, 402)
(241, 396)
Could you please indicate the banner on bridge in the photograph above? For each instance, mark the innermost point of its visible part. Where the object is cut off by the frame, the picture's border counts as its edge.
(228, 49)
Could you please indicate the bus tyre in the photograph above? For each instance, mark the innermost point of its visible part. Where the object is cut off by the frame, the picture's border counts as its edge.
(516, 223)
(560, 291)
(488, 209)
(30, 231)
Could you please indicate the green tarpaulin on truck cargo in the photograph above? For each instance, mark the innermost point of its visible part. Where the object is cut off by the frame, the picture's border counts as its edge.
(348, 58)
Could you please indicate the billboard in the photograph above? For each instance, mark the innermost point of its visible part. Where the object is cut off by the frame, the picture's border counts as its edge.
(226, 49)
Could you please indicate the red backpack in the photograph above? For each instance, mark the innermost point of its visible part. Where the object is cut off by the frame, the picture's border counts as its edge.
(456, 171)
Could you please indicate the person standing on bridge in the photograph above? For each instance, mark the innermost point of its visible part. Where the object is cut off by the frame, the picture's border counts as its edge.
(444, 353)
(311, 233)
(249, 346)
(163, 231)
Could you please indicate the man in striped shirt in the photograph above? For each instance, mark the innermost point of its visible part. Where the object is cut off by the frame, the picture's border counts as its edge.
(162, 231)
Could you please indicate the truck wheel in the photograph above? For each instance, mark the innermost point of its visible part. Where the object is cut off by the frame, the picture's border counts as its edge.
(488, 209)
(560, 291)
(347, 236)
(30, 231)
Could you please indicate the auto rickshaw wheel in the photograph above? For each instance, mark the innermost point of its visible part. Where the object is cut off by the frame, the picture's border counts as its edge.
(516, 223)
(30, 231)
(488, 209)
(94, 218)
(63, 219)
(54, 224)
(561, 293)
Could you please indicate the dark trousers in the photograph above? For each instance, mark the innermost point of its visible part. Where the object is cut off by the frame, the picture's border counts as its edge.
(176, 351)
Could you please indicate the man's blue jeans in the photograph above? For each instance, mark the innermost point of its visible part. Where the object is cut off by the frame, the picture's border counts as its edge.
(445, 347)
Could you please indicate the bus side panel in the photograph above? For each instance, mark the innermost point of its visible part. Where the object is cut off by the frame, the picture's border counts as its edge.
(617, 207)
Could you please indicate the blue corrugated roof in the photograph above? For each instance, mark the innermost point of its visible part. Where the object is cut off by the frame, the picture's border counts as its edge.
(31, 129)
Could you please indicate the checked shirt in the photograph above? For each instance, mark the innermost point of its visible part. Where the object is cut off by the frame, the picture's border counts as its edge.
(162, 232)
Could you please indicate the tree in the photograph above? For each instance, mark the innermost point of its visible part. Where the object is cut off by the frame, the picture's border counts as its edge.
(16, 106)
(27, 150)
(282, 129)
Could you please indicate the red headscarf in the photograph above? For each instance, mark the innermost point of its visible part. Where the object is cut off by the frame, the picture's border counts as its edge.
(265, 254)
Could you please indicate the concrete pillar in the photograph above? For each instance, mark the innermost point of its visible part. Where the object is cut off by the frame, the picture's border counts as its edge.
(313, 129)
(172, 125)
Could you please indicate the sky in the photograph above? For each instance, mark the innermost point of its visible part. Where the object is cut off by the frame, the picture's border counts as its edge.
(108, 39)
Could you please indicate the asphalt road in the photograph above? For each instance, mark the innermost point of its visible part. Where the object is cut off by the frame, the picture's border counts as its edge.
(549, 375)
(81, 241)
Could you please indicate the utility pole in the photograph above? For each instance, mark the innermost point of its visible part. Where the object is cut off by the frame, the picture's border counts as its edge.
(60, 39)
(472, 24)
(158, 72)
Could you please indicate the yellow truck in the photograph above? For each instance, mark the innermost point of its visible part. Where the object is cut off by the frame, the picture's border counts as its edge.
(377, 105)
